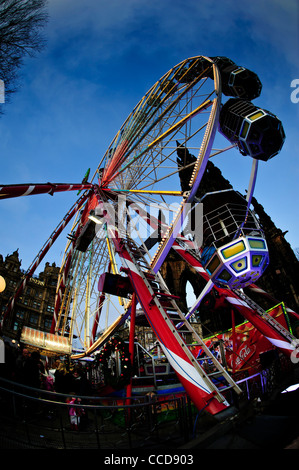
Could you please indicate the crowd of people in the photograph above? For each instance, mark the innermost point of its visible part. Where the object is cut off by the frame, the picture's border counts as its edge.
(64, 377)
(30, 369)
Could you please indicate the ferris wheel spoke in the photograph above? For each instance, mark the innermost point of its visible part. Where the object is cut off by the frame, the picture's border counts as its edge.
(164, 108)
(155, 142)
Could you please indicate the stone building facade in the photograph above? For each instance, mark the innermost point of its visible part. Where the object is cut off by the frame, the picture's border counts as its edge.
(35, 307)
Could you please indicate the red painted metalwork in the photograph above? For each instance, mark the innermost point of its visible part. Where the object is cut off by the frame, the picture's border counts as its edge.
(174, 351)
(96, 320)
(17, 190)
(131, 341)
(115, 162)
(255, 288)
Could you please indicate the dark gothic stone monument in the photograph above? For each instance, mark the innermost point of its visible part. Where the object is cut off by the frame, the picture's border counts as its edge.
(280, 280)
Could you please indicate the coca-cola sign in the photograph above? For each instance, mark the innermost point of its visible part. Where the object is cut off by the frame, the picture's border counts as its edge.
(243, 354)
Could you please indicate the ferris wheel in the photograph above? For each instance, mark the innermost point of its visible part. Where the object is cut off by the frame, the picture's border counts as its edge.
(133, 210)
(139, 178)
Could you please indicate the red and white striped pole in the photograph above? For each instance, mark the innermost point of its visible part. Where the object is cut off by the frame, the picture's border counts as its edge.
(18, 190)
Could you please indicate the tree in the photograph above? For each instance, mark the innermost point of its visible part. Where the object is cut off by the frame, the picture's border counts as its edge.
(21, 23)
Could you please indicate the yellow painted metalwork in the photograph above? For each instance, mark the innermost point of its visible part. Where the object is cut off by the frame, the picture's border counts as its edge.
(180, 123)
(111, 256)
(113, 266)
(166, 193)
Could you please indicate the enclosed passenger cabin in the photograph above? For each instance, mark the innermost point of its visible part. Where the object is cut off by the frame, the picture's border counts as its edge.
(194, 68)
(237, 81)
(235, 252)
(257, 132)
(86, 236)
(115, 284)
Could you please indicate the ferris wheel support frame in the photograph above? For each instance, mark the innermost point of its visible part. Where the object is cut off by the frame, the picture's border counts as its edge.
(185, 366)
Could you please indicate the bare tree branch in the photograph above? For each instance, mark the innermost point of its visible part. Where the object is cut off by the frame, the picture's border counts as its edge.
(21, 24)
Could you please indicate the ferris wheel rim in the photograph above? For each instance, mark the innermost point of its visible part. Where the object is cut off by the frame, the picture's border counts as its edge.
(167, 121)
(145, 108)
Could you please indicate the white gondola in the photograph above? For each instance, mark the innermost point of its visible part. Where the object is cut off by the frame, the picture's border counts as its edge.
(235, 252)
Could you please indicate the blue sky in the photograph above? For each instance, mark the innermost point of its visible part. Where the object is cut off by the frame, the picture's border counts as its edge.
(101, 58)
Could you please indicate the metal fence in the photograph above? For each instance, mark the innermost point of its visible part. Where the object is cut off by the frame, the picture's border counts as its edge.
(32, 418)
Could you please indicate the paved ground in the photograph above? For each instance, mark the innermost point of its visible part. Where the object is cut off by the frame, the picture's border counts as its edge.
(272, 424)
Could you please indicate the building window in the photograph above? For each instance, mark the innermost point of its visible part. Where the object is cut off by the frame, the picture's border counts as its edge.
(36, 305)
(20, 315)
(16, 326)
(47, 324)
(33, 319)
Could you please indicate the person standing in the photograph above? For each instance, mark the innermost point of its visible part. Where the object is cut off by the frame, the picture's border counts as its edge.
(33, 370)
